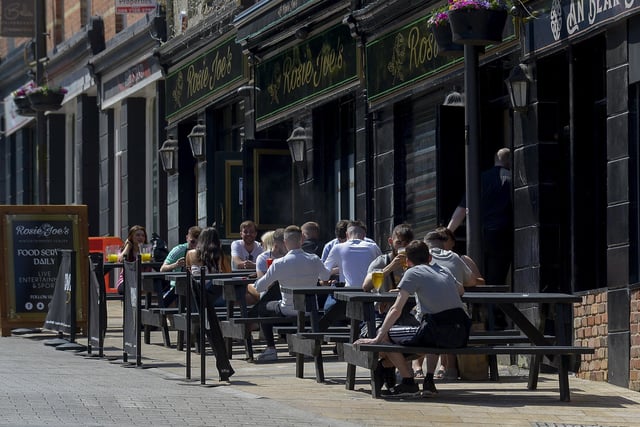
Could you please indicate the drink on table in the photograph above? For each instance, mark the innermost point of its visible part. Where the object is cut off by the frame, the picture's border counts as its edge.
(112, 258)
(269, 262)
(377, 277)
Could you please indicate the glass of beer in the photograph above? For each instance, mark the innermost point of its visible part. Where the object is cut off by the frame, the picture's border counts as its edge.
(402, 252)
(377, 277)
(111, 253)
(145, 252)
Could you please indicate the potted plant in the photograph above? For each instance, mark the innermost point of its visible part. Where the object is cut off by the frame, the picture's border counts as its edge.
(23, 106)
(439, 25)
(46, 98)
(477, 22)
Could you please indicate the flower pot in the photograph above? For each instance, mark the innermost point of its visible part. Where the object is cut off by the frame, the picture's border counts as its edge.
(478, 27)
(443, 36)
(23, 106)
(46, 101)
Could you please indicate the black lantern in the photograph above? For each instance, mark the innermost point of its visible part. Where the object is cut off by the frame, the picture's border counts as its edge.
(196, 140)
(518, 87)
(454, 99)
(169, 155)
(297, 146)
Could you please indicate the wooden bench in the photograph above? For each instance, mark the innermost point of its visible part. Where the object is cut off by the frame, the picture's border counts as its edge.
(366, 356)
(240, 328)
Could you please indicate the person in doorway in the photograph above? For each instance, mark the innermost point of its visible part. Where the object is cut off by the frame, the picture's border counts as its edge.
(497, 219)
(245, 251)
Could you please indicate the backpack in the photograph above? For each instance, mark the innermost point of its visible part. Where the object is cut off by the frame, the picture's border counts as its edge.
(159, 250)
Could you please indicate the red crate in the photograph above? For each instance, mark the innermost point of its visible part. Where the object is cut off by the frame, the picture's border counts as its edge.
(99, 244)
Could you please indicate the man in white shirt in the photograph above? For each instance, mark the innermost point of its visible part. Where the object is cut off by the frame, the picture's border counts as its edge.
(296, 269)
(352, 259)
(245, 251)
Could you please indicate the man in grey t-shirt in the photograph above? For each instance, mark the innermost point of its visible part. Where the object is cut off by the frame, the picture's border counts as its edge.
(438, 295)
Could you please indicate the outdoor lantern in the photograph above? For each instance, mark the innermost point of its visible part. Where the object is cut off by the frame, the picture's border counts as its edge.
(169, 155)
(196, 140)
(518, 87)
(454, 99)
(297, 147)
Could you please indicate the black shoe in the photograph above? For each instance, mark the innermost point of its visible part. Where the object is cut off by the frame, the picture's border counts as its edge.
(405, 388)
(428, 386)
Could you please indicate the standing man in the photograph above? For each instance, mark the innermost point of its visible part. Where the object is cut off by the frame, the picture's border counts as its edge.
(296, 269)
(497, 219)
(175, 260)
(244, 252)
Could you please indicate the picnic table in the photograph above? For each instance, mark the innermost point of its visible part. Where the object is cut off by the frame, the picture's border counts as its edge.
(360, 307)
(304, 343)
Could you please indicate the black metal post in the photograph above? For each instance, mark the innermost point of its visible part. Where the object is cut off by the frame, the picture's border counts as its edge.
(41, 124)
(472, 153)
(203, 307)
(188, 329)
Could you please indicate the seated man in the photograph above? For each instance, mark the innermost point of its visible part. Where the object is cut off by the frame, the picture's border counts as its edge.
(175, 261)
(296, 269)
(444, 323)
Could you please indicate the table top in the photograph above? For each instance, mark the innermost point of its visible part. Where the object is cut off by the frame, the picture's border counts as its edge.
(519, 297)
(112, 265)
(315, 290)
(472, 297)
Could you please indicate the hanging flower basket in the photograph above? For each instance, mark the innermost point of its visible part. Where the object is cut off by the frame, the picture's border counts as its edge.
(43, 98)
(478, 27)
(444, 39)
(46, 102)
(23, 106)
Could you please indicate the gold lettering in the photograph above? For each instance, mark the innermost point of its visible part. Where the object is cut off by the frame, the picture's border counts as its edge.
(312, 72)
(421, 48)
(220, 67)
(197, 79)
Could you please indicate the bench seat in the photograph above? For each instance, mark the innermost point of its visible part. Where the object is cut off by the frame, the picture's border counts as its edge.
(366, 356)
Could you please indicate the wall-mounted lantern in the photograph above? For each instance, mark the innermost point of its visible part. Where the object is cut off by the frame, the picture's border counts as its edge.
(518, 84)
(169, 155)
(196, 140)
(298, 148)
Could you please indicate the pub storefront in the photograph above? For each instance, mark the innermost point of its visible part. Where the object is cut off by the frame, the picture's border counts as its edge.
(577, 158)
(207, 98)
(309, 113)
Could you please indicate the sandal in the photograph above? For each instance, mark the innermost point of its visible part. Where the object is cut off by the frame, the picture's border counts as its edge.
(439, 375)
(418, 374)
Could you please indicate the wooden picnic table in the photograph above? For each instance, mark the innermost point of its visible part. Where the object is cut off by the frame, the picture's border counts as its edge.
(302, 344)
(360, 307)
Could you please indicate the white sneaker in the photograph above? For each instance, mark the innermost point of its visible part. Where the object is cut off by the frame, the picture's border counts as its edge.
(267, 355)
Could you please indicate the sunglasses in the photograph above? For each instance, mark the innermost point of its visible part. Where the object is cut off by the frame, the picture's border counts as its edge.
(250, 257)
(193, 242)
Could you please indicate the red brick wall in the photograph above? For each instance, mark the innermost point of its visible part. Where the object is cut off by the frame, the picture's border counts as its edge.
(72, 21)
(590, 327)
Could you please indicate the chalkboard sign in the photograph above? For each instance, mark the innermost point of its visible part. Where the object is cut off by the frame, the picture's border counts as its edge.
(32, 237)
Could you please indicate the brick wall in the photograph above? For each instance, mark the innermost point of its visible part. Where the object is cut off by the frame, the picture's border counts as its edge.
(634, 327)
(590, 328)
(73, 21)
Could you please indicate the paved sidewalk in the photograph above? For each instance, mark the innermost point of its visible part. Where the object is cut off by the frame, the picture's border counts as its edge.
(42, 386)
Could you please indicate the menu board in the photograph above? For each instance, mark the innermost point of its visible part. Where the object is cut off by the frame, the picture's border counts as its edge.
(32, 237)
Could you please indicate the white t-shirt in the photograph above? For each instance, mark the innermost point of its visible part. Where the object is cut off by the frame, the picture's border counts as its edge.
(239, 249)
(352, 258)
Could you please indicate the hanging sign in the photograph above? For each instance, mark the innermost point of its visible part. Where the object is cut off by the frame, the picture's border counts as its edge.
(135, 6)
(18, 18)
